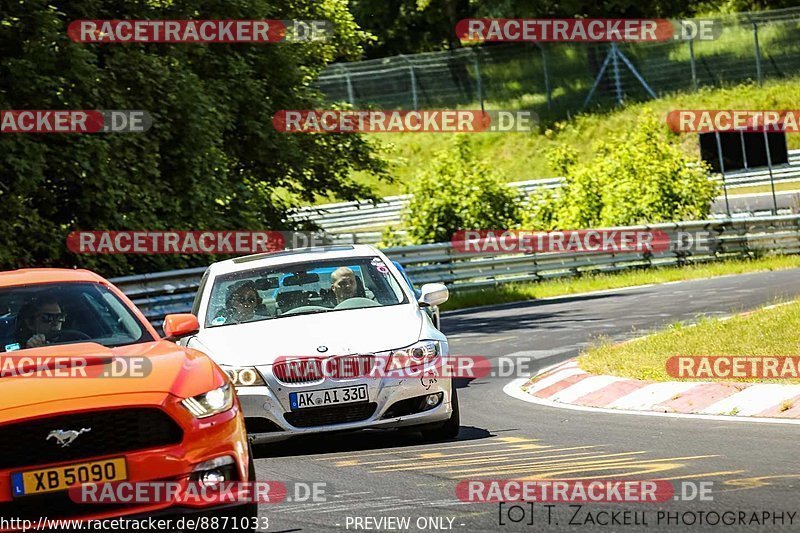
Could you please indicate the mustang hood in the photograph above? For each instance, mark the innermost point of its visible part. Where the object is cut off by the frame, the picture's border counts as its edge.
(342, 332)
(165, 368)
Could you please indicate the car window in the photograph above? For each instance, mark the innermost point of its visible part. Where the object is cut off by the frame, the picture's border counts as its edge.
(302, 288)
(64, 313)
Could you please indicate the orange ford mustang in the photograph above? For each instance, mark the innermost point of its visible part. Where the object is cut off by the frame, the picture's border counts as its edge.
(126, 407)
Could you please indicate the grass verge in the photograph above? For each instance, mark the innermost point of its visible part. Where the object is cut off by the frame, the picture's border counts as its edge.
(765, 332)
(754, 189)
(517, 292)
(521, 156)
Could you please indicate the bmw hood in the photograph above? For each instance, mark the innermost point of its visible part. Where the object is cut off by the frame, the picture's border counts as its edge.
(342, 332)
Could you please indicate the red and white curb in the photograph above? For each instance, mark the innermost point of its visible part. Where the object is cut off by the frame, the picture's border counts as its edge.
(566, 385)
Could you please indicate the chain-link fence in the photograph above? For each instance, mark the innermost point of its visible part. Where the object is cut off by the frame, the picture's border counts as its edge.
(556, 79)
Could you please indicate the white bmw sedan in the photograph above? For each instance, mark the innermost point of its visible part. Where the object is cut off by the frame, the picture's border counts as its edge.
(326, 339)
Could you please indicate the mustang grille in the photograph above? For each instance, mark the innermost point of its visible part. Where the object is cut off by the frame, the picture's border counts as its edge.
(24, 444)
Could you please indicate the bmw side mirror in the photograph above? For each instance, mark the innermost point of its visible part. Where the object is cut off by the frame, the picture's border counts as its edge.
(433, 294)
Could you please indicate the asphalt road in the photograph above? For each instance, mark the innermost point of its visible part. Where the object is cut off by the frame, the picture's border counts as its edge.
(753, 467)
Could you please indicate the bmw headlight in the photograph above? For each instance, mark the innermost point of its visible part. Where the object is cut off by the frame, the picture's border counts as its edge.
(210, 403)
(244, 376)
(419, 353)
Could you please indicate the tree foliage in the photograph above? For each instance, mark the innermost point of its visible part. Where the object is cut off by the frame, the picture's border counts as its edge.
(635, 177)
(411, 26)
(212, 159)
(458, 191)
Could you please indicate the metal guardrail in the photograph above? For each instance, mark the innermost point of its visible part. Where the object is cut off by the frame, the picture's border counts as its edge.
(366, 219)
(162, 293)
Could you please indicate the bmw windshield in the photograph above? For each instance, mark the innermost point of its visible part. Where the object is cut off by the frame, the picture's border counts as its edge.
(302, 288)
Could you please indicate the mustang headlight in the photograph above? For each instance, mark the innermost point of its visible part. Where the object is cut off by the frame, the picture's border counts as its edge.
(244, 376)
(421, 352)
(210, 403)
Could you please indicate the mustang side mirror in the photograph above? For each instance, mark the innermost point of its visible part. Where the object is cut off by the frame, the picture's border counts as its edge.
(180, 325)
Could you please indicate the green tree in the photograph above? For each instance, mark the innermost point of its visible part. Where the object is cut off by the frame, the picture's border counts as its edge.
(636, 177)
(412, 26)
(212, 159)
(458, 191)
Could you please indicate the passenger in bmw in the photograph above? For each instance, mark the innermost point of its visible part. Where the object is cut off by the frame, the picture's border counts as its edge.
(343, 284)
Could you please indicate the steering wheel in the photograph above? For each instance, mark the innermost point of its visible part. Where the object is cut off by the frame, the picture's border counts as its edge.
(69, 335)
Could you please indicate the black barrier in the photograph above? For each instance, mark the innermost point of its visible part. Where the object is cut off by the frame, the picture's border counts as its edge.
(743, 150)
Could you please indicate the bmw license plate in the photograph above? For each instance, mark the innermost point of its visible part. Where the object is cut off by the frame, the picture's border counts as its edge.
(321, 398)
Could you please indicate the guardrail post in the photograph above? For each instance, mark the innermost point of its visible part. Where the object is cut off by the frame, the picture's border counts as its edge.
(450, 263)
(797, 230)
(722, 170)
(478, 79)
(547, 87)
(349, 83)
(412, 73)
(771, 178)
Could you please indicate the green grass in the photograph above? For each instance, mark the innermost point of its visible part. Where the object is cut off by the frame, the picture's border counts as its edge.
(791, 186)
(517, 292)
(765, 332)
(522, 156)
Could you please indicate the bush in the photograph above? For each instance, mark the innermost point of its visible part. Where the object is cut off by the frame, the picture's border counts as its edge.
(637, 177)
(458, 191)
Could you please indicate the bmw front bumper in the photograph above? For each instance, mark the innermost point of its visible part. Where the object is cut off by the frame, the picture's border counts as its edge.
(392, 402)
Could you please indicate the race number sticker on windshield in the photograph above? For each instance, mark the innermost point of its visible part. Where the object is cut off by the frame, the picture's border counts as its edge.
(379, 265)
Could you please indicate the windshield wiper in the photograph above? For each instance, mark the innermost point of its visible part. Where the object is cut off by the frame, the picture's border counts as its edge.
(309, 312)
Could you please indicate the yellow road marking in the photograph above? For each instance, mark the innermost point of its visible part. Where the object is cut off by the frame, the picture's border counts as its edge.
(478, 460)
(541, 465)
(474, 462)
(652, 466)
(525, 448)
(498, 339)
(705, 474)
(506, 440)
(521, 469)
(755, 482)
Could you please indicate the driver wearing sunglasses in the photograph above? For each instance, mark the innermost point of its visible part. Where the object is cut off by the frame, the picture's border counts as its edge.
(41, 323)
(242, 302)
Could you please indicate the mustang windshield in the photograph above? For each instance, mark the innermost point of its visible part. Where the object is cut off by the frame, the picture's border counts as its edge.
(302, 288)
(33, 316)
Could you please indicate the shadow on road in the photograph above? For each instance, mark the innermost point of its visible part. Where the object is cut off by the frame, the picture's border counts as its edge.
(357, 441)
